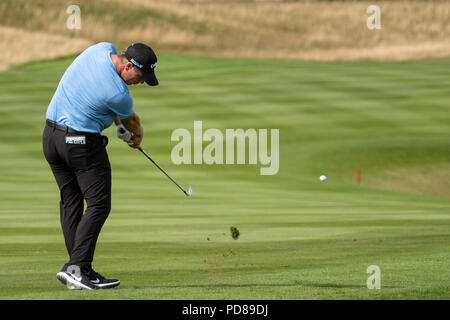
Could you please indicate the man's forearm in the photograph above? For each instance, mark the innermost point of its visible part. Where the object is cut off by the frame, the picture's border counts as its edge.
(132, 124)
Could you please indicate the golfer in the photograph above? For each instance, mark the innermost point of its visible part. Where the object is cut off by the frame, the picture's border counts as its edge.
(91, 95)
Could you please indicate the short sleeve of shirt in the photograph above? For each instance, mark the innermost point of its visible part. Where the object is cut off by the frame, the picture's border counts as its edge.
(121, 105)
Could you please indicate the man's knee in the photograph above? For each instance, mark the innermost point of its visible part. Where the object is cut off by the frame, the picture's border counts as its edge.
(100, 206)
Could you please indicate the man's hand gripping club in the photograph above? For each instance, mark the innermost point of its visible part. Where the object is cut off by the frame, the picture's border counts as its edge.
(130, 130)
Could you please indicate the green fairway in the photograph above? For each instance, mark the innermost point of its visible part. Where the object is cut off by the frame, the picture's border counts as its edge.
(299, 238)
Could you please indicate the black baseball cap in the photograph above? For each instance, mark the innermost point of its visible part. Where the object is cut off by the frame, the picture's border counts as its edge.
(143, 57)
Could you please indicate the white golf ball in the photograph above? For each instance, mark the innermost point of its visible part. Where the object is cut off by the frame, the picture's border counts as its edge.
(323, 178)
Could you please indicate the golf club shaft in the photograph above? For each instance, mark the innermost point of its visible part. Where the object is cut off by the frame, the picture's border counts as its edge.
(140, 149)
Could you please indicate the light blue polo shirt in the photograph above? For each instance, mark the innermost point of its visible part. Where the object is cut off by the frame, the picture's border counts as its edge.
(91, 92)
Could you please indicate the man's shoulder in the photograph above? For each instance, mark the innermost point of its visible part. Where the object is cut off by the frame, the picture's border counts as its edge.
(103, 46)
(120, 96)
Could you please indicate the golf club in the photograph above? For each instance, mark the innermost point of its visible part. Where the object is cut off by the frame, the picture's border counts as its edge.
(188, 193)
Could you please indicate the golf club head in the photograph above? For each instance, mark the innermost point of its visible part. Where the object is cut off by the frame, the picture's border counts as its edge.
(189, 192)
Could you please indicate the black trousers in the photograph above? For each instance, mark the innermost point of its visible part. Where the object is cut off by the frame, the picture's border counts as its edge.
(81, 167)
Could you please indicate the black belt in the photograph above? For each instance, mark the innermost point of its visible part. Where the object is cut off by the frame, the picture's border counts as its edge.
(57, 126)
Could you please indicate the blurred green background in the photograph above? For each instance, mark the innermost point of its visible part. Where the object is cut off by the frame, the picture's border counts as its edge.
(299, 238)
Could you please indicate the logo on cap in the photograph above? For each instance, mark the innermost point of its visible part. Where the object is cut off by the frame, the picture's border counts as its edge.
(137, 64)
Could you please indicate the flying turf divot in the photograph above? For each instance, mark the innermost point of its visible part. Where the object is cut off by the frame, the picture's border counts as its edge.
(234, 233)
